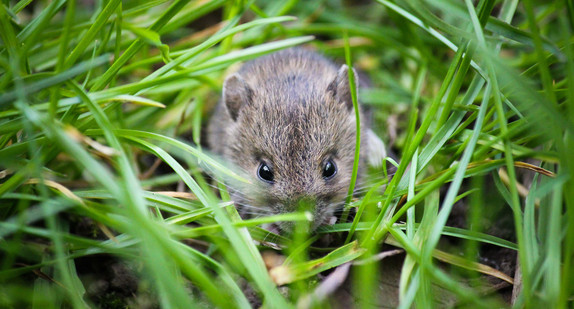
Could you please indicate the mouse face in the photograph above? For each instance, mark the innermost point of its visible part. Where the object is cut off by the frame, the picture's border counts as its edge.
(295, 147)
(288, 123)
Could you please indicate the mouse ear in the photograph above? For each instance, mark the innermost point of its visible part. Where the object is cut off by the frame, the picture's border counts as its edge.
(236, 93)
(340, 88)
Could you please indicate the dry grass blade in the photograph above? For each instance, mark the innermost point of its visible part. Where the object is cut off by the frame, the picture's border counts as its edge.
(327, 287)
(464, 263)
(185, 195)
(65, 191)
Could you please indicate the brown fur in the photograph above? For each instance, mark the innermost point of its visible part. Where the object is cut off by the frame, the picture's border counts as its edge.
(293, 110)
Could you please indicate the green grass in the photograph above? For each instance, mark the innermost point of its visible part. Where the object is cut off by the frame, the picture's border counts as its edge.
(91, 96)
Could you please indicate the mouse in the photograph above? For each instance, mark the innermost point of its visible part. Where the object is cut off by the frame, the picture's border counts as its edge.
(286, 121)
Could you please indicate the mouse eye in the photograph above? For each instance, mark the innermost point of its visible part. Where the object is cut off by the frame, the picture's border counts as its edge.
(265, 172)
(329, 169)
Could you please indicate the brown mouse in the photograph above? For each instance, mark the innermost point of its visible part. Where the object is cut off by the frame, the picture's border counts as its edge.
(286, 120)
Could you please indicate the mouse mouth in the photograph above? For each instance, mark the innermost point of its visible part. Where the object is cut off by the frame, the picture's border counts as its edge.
(325, 216)
(323, 212)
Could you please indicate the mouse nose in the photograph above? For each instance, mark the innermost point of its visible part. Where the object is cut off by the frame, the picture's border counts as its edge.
(301, 202)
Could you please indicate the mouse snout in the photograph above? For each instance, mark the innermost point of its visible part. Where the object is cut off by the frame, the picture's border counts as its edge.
(300, 202)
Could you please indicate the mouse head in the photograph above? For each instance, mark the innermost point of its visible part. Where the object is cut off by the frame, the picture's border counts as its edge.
(295, 138)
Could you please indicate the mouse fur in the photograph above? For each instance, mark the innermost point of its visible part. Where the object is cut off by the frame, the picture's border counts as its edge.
(292, 111)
